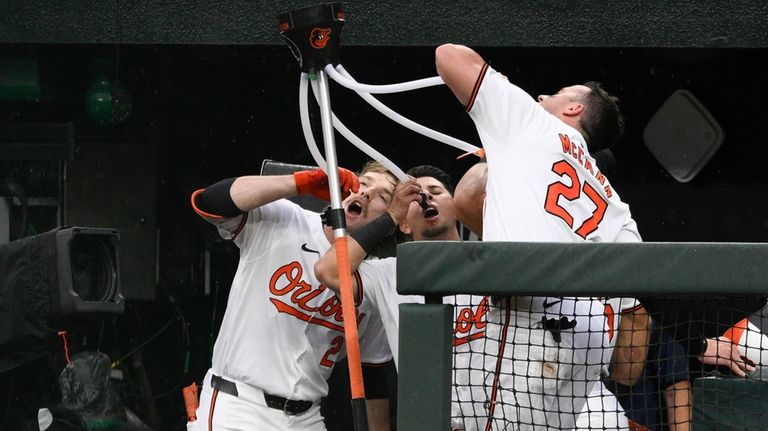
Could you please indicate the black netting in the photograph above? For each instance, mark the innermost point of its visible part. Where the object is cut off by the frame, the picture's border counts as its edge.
(607, 363)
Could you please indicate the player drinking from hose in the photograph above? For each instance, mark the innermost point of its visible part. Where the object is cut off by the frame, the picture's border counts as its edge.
(543, 185)
(282, 331)
(376, 278)
(626, 322)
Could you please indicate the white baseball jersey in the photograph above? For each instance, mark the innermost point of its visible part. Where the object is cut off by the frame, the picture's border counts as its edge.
(543, 186)
(378, 277)
(602, 410)
(282, 330)
(379, 281)
(542, 183)
(615, 307)
(468, 391)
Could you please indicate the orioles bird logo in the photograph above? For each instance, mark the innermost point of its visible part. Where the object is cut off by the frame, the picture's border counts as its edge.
(319, 37)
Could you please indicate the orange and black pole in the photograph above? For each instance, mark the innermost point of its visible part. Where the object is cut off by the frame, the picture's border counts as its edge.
(314, 36)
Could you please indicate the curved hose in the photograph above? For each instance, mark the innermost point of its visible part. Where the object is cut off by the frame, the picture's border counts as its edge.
(405, 122)
(359, 143)
(381, 89)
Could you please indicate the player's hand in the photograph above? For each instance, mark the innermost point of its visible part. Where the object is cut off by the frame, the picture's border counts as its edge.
(315, 182)
(406, 193)
(722, 351)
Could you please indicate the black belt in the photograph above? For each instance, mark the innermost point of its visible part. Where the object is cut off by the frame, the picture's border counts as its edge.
(291, 407)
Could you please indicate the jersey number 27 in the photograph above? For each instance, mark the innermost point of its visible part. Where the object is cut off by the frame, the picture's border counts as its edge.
(572, 192)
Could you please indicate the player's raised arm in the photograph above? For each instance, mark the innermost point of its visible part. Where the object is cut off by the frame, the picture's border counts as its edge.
(233, 196)
(460, 67)
(469, 197)
(364, 239)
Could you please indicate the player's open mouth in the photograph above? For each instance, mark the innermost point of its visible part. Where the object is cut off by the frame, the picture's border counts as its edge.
(355, 208)
(431, 212)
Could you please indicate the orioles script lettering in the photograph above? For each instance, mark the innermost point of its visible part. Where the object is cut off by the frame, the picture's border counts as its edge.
(296, 297)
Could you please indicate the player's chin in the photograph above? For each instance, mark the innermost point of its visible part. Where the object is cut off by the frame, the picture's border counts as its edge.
(354, 221)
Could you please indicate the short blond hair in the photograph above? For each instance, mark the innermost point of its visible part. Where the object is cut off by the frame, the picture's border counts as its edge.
(374, 166)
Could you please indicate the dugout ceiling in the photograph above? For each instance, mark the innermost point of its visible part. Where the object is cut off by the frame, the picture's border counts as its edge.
(213, 92)
(522, 23)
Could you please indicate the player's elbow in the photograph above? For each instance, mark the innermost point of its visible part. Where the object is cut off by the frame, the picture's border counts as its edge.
(469, 197)
(627, 365)
(443, 56)
(626, 379)
(326, 275)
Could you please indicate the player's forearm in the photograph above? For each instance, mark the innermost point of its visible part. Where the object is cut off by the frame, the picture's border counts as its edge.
(626, 366)
(251, 192)
(327, 268)
(378, 414)
(459, 66)
(678, 401)
(630, 354)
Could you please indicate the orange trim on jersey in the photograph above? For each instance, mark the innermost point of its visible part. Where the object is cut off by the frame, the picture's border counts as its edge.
(499, 358)
(735, 332)
(211, 409)
(609, 313)
(476, 88)
(204, 214)
(287, 309)
(359, 281)
(458, 341)
(243, 219)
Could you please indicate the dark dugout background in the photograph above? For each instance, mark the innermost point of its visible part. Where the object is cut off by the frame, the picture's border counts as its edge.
(214, 92)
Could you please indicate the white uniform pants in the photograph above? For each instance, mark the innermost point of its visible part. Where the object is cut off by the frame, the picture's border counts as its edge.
(602, 412)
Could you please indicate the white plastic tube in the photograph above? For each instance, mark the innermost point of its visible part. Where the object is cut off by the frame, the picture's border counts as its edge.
(306, 126)
(381, 89)
(359, 143)
(405, 122)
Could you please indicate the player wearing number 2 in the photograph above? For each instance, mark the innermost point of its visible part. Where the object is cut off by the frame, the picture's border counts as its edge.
(542, 185)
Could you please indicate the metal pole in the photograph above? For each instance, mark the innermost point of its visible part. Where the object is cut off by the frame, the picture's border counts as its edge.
(338, 223)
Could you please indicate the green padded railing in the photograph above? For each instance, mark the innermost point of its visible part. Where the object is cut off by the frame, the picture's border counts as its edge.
(543, 269)
(583, 269)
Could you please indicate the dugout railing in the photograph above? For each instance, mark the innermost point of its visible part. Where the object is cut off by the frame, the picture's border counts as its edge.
(438, 269)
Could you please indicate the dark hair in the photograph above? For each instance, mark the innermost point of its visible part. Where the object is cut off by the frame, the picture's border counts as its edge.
(434, 172)
(602, 122)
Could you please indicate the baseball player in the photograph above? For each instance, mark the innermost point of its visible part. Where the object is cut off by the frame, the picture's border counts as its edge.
(436, 222)
(543, 185)
(282, 331)
(626, 320)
